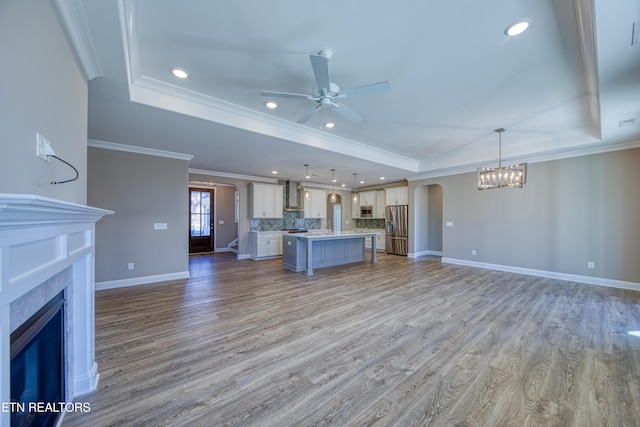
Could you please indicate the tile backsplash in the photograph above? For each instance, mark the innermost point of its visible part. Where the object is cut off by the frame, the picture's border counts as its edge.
(370, 223)
(290, 220)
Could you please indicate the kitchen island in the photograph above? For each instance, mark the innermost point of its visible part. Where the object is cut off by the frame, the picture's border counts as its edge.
(306, 251)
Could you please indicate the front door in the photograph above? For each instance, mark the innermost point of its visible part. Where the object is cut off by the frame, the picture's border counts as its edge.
(200, 220)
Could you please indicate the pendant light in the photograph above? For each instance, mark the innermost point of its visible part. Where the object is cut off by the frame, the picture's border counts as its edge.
(306, 177)
(514, 176)
(333, 186)
(355, 188)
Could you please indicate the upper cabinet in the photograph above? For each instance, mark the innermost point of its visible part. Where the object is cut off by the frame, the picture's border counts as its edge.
(397, 196)
(266, 200)
(315, 206)
(368, 198)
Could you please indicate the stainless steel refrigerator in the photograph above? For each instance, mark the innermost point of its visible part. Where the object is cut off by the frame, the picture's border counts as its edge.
(396, 230)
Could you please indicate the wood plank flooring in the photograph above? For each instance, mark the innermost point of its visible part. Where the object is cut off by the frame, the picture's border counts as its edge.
(404, 342)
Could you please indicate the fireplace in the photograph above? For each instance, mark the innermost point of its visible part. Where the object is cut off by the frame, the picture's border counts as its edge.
(38, 366)
(47, 297)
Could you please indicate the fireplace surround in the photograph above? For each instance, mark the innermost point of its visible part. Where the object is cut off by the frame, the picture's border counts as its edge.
(47, 246)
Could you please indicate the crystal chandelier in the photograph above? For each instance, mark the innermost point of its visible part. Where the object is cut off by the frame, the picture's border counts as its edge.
(514, 176)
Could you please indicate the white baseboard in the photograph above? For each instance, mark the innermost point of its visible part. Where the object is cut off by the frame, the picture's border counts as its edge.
(423, 253)
(223, 250)
(87, 382)
(134, 281)
(548, 274)
(244, 256)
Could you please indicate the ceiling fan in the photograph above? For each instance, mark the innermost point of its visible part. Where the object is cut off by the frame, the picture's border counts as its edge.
(326, 93)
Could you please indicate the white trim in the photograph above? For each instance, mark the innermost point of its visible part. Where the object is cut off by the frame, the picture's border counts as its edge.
(243, 256)
(588, 150)
(75, 22)
(170, 97)
(144, 280)
(611, 283)
(138, 150)
(233, 175)
(423, 253)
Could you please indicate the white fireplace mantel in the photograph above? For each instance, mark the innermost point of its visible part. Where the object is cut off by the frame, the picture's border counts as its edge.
(39, 238)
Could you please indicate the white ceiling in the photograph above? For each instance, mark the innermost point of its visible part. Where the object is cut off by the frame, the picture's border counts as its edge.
(560, 89)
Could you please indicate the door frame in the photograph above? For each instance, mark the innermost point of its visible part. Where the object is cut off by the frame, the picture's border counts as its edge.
(210, 247)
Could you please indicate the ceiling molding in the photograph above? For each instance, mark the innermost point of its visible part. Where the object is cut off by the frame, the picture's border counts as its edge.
(159, 94)
(138, 150)
(538, 158)
(75, 23)
(587, 36)
(233, 176)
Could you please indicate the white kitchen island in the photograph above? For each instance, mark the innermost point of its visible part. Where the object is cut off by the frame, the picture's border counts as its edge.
(306, 251)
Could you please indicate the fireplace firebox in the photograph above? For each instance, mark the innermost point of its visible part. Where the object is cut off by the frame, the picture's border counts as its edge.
(38, 366)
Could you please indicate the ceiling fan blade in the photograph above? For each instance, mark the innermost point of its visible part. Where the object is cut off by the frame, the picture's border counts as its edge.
(310, 112)
(284, 94)
(346, 112)
(367, 90)
(320, 65)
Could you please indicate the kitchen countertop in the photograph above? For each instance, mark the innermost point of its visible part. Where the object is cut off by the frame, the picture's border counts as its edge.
(334, 234)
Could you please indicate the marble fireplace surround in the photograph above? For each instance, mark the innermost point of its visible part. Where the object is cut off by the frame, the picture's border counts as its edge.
(47, 245)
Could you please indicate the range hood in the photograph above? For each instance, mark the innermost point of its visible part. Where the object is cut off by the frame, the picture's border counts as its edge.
(292, 199)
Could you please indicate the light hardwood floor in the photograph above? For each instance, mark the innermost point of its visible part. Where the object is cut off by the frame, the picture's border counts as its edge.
(399, 343)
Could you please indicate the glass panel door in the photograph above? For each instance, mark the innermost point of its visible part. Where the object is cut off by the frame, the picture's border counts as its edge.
(200, 221)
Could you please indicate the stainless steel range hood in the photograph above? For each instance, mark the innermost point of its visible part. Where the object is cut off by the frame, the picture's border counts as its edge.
(292, 200)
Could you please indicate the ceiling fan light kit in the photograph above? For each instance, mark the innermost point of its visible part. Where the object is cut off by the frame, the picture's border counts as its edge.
(326, 93)
(514, 176)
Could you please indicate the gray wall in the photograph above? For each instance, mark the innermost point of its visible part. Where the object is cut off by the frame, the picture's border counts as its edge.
(225, 197)
(142, 190)
(42, 89)
(570, 212)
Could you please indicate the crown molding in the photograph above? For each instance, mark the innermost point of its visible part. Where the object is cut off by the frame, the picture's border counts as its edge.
(159, 94)
(73, 17)
(137, 150)
(548, 156)
(233, 176)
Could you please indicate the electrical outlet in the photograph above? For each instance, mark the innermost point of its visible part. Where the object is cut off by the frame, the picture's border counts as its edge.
(473, 252)
(41, 146)
(591, 264)
(130, 266)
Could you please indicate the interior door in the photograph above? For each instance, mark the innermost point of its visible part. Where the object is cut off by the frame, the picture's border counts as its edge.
(200, 220)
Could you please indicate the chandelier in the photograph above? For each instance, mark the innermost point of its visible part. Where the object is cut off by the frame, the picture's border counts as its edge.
(514, 176)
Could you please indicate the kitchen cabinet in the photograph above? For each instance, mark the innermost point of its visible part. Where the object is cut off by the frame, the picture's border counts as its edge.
(368, 198)
(380, 240)
(397, 196)
(378, 207)
(266, 200)
(265, 245)
(315, 206)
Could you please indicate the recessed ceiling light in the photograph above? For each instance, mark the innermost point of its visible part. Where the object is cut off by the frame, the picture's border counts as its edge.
(274, 172)
(271, 105)
(329, 125)
(179, 73)
(517, 27)
(343, 185)
(382, 178)
(361, 182)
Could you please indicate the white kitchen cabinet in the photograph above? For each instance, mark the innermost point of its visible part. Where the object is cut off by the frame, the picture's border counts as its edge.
(397, 196)
(315, 206)
(367, 198)
(378, 207)
(380, 240)
(266, 200)
(355, 206)
(265, 245)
